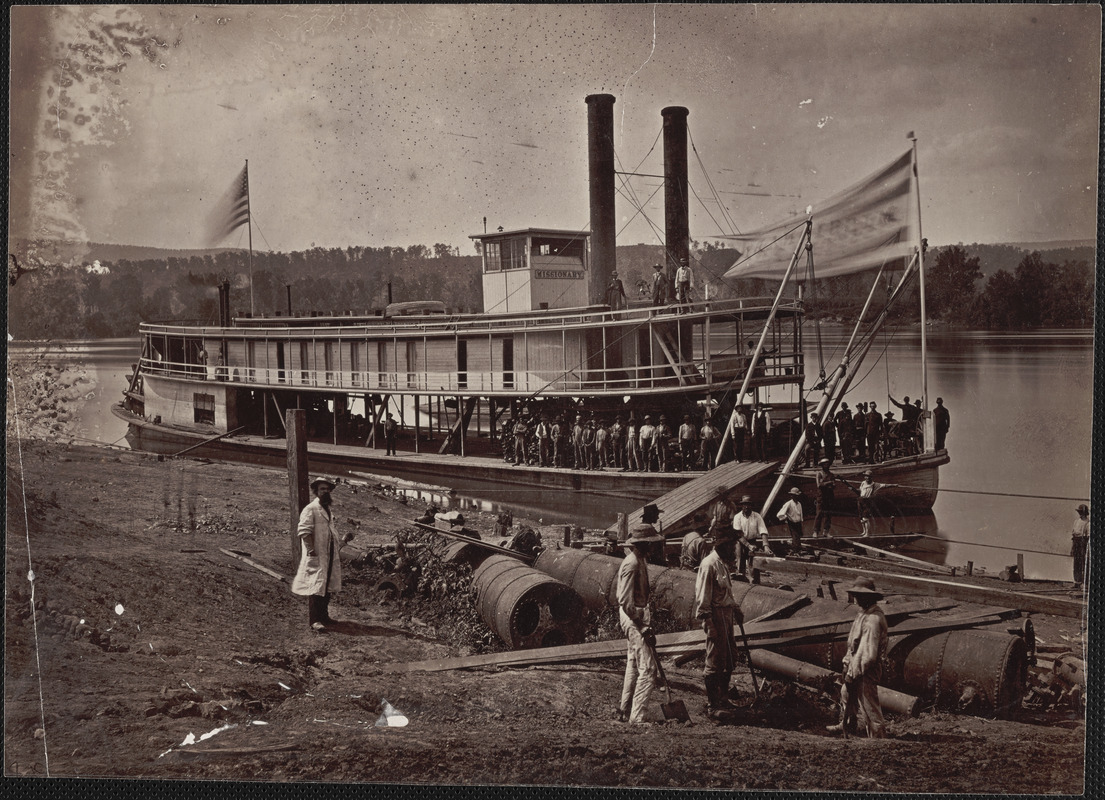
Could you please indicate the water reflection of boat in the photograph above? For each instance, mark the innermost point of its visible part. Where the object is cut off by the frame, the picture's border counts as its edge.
(550, 344)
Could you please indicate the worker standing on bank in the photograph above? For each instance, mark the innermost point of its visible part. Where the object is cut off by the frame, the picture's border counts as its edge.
(1080, 543)
(694, 547)
(718, 611)
(863, 660)
(791, 514)
(635, 619)
(319, 573)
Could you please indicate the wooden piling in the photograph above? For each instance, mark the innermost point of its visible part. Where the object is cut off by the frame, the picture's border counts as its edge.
(1020, 565)
(299, 492)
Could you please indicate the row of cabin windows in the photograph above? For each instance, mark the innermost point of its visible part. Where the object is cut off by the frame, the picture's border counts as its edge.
(511, 254)
(328, 361)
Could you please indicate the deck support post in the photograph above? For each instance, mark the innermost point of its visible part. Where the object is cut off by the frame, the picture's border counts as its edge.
(299, 492)
(417, 420)
(264, 413)
(462, 423)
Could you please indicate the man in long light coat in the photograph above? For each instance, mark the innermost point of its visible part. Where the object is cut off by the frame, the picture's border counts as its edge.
(867, 643)
(319, 573)
(635, 619)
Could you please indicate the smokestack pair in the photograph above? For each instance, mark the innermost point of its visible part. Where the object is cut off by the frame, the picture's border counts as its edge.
(600, 157)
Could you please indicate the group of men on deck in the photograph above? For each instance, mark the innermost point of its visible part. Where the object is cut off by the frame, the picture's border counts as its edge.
(715, 549)
(651, 445)
(869, 436)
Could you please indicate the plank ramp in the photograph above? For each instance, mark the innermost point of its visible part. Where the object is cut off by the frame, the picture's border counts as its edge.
(698, 494)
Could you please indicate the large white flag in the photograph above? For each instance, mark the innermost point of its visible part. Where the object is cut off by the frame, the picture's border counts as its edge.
(863, 227)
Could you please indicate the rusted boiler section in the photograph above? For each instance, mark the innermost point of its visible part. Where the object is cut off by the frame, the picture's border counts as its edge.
(526, 607)
(595, 576)
(976, 670)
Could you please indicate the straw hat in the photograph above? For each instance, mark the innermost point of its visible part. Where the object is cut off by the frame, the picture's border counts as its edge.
(864, 586)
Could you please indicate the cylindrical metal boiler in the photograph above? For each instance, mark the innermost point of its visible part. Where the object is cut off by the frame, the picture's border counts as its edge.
(595, 577)
(526, 608)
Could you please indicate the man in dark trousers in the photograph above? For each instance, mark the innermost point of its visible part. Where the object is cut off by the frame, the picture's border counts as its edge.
(874, 433)
(718, 612)
(659, 286)
(910, 415)
(319, 572)
(845, 434)
(813, 440)
(828, 439)
(859, 425)
(1080, 543)
(391, 428)
(739, 430)
(942, 422)
(761, 426)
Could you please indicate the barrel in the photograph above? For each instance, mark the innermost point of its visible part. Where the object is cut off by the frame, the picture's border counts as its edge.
(525, 607)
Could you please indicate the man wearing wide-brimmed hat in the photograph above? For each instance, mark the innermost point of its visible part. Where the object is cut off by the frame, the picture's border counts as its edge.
(865, 501)
(319, 573)
(635, 618)
(717, 610)
(1080, 543)
(863, 660)
(791, 514)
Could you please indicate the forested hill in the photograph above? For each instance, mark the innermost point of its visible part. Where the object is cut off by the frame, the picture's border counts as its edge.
(69, 291)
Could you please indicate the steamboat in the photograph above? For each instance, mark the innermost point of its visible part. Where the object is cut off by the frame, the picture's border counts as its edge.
(553, 343)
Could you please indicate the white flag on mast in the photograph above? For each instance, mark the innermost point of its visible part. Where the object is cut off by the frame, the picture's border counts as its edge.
(863, 227)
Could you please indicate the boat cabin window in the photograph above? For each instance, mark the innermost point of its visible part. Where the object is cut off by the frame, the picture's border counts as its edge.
(204, 405)
(570, 248)
(509, 254)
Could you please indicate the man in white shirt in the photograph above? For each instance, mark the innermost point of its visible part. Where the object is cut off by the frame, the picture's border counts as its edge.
(791, 514)
(749, 525)
(645, 438)
(738, 431)
(683, 282)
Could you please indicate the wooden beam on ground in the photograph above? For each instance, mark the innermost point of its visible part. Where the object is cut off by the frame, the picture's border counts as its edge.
(881, 561)
(932, 587)
(492, 548)
(253, 564)
(698, 494)
(298, 489)
(912, 561)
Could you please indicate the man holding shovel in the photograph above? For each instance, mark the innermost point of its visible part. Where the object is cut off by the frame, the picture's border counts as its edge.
(635, 618)
(716, 607)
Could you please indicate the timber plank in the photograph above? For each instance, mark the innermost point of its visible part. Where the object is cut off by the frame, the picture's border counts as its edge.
(933, 587)
(880, 561)
(912, 561)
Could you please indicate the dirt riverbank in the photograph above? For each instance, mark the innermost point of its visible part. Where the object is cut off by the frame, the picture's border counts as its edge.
(145, 633)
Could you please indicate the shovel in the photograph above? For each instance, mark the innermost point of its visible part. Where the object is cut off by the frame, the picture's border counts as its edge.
(751, 672)
(673, 709)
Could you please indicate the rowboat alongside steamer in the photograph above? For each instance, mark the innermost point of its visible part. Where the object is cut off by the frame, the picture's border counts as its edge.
(546, 345)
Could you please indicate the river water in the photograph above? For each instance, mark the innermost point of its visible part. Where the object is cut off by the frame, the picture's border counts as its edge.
(1021, 419)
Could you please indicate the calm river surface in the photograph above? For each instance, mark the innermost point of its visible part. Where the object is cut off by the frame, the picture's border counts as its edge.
(1021, 418)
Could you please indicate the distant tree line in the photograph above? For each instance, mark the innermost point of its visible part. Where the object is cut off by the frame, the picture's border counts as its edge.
(65, 301)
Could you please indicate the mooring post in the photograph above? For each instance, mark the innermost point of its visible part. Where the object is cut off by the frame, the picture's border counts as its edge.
(970, 568)
(299, 493)
(1020, 565)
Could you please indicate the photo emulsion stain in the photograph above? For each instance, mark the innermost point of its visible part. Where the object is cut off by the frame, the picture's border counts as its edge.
(552, 395)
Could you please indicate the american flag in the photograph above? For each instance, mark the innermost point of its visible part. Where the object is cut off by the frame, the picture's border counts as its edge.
(232, 211)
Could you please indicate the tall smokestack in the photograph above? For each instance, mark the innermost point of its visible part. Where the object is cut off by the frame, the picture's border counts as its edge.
(600, 160)
(676, 206)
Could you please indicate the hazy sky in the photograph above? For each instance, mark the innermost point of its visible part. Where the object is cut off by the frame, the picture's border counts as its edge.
(395, 125)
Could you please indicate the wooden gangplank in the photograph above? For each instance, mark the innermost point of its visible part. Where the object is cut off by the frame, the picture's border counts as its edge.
(698, 494)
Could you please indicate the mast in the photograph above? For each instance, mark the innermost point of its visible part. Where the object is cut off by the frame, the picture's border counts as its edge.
(926, 416)
(249, 229)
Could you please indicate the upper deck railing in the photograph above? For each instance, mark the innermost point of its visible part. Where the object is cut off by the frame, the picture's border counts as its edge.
(438, 324)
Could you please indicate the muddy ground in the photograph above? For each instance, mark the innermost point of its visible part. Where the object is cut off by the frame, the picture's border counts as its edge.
(145, 634)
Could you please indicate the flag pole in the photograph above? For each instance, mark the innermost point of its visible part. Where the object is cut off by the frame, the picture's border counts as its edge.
(249, 229)
(926, 415)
